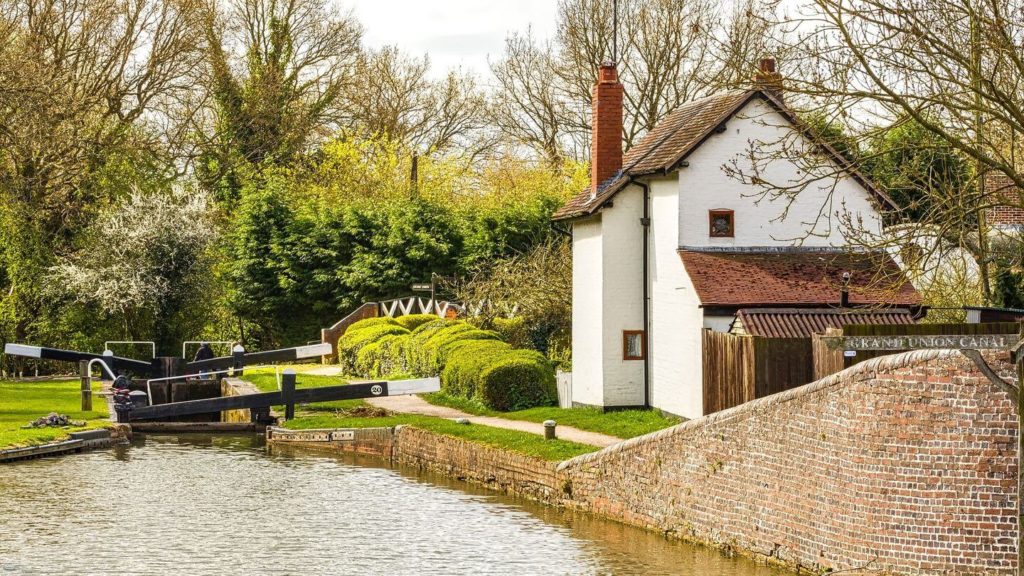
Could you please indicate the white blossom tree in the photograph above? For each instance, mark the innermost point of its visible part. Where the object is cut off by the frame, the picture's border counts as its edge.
(143, 258)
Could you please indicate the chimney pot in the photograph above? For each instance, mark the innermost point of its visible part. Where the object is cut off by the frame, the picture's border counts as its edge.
(768, 65)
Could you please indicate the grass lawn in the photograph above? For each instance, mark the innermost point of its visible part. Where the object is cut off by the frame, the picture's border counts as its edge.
(620, 423)
(333, 415)
(513, 440)
(22, 402)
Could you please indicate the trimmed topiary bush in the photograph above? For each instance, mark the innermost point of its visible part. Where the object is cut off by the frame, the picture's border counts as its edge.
(422, 352)
(353, 341)
(465, 364)
(499, 377)
(370, 322)
(519, 379)
(384, 357)
(414, 321)
(473, 363)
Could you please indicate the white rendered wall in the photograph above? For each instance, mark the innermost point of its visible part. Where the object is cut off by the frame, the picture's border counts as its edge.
(705, 186)
(676, 316)
(622, 279)
(587, 365)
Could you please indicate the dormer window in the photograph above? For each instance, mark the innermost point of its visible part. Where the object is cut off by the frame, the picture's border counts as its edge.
(721, 223)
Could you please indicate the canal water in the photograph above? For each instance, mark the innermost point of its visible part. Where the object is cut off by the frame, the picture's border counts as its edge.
(225, 505)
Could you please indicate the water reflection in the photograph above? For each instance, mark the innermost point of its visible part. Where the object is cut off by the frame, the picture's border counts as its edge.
(198, 504)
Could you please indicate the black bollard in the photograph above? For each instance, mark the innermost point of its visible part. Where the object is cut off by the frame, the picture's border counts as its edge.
(288, 393)
(238, 355)
(139, 399)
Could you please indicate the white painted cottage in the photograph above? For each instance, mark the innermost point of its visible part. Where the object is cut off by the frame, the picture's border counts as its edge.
(666, 244)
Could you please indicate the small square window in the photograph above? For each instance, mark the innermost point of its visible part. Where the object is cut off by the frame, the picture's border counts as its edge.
(634, 345)
(721, 223)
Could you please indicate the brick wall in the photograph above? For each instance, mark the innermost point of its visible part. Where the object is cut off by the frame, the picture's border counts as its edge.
(904, 463)
(606, 132)
(508, 472)
(1007, 197)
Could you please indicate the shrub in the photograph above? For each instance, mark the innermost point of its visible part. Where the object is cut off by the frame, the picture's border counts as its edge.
(422, 353)
(434, 352)
(353, 341)
(414, 321)
(473, 363)
(513, 331)
(519, 379)
(384, 357)
(370, 322)
(466, 362)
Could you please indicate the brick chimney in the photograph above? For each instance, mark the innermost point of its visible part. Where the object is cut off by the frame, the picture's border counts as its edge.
(606, 138)
(767, 78)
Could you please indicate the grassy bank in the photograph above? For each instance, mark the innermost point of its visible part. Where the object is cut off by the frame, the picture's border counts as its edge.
(23, 402)
(359, 414)
(515, 441)
(620, 423)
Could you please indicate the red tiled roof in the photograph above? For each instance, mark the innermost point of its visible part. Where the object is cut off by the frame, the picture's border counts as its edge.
(680, 133)
(802, 322)
(795, 277)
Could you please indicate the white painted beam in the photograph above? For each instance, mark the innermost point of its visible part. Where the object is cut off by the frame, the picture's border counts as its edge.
(23, 350)
(416, 386)
(313, 350)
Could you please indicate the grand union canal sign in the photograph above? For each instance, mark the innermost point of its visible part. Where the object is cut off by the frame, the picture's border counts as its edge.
(922, 342)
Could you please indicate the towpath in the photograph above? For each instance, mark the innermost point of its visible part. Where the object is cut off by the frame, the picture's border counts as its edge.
(417, 405)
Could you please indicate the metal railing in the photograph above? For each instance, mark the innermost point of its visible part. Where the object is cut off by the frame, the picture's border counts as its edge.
(106, 345)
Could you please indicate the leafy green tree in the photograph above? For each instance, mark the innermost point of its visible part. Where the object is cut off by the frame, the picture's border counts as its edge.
(255, 252)
(280, 90)
(920, 171)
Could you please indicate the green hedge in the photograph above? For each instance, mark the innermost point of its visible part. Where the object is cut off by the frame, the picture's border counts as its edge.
(499, 377)
(518, 380)
(466, 363)
(360, 335)
(472, 363)
(383, 358)
(414, 321)
(370, 322)
(428, 351)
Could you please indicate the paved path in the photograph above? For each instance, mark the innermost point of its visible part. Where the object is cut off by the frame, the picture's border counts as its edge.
(324, 371)
(416, 405)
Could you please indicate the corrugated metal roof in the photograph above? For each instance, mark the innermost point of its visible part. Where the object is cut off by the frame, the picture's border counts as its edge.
(801, 323)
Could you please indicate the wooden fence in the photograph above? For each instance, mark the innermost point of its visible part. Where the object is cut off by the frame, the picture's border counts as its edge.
(828, 354)
(728, 370)
(739, 369)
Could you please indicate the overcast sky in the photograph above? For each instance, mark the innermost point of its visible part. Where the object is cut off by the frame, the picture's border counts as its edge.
(456, 33)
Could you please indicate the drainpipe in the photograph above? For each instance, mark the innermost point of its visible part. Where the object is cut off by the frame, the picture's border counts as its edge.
(646, 223)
